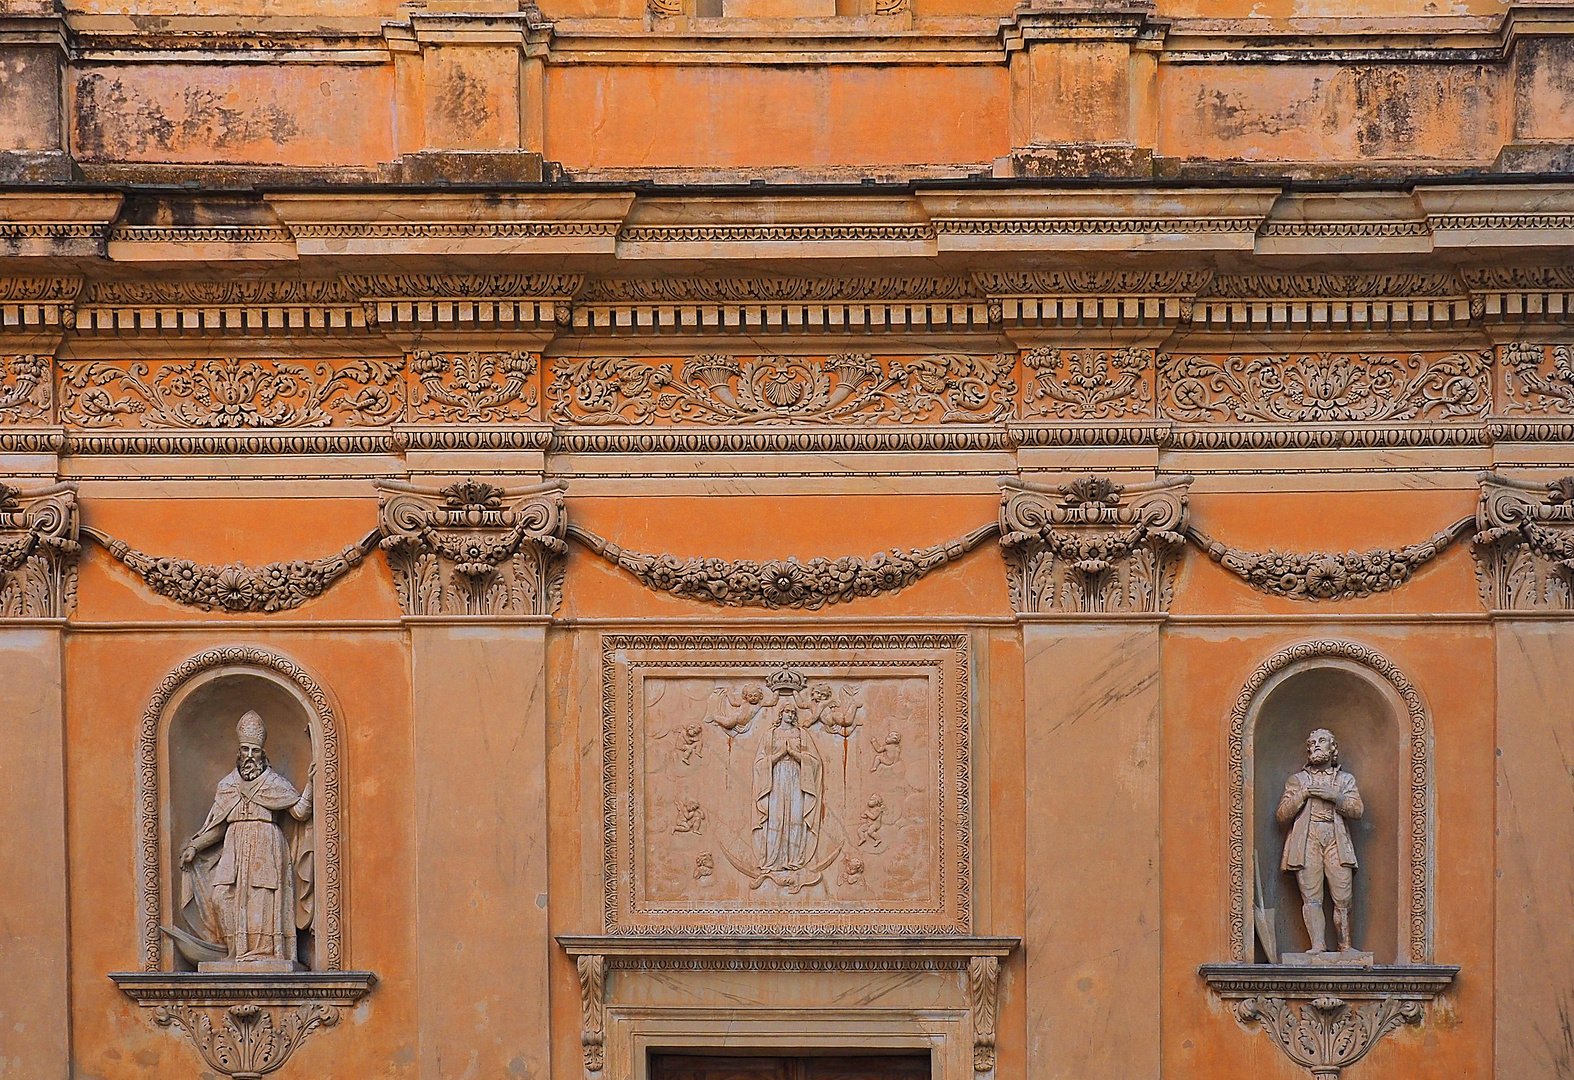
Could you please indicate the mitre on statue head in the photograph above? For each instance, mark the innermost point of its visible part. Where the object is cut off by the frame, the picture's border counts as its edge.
(251, 730)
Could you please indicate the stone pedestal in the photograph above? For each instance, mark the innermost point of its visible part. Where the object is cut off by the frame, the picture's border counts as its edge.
(480, 823)
(1092, 941)
(1348, 958)
(34, 948)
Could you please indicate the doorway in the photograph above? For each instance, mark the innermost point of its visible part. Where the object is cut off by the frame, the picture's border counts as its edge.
(897, 1066)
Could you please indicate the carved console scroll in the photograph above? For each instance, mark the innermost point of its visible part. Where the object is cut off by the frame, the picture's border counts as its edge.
(1524, 544)
(1327, 1019)
(782, 583)
(474, 549)
(1329, 575)
(1092, 545)
(235, 587)
(38, 551)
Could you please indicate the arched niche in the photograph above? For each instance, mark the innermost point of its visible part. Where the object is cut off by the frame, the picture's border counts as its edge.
(1384, 738)
(187, 744)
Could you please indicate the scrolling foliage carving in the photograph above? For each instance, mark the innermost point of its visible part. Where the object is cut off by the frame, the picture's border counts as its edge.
(1089, 384)
(474, 549)
(235, 587)
(1324, 575)
(1538, 378)
(845, 388)
(474, 386)
(38, 552)
(782, 583)
(232, 393)
(1524, 544)
(1092, 545)
(250, 1041)
(1325, 387)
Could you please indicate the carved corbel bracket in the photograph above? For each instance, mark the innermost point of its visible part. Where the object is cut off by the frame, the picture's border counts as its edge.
(593, 1007)
(983, 992)
(474, 549)
(39, 543)
(1326, 1019)
(245, 1025)
(1524, 544)
(1092, 545)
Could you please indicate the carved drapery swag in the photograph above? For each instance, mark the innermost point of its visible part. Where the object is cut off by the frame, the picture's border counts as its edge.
(1092, 545)
(782, 583)
(38, 552)
(1524, 544)
(474, 549)
(236, 587)
(1329, 575)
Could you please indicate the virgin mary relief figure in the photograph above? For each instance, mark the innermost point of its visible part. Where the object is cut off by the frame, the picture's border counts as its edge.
(247, 883)
(788, 786)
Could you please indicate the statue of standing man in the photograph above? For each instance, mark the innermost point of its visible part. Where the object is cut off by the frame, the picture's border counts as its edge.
(1317, 800)
(254, 896)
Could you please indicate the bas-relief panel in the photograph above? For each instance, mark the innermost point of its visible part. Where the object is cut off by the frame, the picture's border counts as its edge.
(786, 785)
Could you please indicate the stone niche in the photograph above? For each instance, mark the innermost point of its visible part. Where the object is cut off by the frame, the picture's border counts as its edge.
(1363, 711)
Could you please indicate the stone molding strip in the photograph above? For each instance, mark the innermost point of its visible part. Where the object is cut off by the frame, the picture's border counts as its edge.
(237, 588)
(782, 583)
(1328, 575)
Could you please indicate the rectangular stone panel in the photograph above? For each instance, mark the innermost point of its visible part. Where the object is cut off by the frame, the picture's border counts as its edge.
(786, 785)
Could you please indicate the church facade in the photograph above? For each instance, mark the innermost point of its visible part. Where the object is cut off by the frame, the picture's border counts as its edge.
(786, 539)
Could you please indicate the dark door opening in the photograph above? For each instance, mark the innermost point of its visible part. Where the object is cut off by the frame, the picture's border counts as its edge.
(895, 1066)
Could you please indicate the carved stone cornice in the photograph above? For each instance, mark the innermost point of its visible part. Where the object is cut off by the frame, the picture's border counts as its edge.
(841, 389)
(782, 583)
(1524, 544)
(245, 1025)
(38, 303)
(1092, 546)
(474, 549)
(39, 545)
(1327, 1019)
(1329, 575)
(235, 587)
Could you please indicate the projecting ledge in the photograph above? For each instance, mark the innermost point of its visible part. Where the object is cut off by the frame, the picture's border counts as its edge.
(1415, 982)
(252, 988)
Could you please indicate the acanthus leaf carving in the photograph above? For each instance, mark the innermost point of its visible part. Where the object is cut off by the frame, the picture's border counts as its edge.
(474, 549)
(1328, 1034)
(1324, 387)
(1092, 545)
(720, 290)
(39, 544)
(1524, 544)
(1538, 378)
(1089, 384)
(844, 388)
(232, 393)
(592, 970)
(236, 587)
(983, 991)
(1329, 575)
(246, 1041)
(782, 583)
(474, 386)
(1104, 282)
(24, 388)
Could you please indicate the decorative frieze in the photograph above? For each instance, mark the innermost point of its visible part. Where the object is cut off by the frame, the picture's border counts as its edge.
(843, 388)
(474, 387)
(1092, 546)
(38, 551)
(1089, 384)
(1324, 387)
(1329, 575)
(1524, 544)
(1537, 378)
(782, 583)
(24, 388)
(232, 393)
(236, 587)
(474, 549)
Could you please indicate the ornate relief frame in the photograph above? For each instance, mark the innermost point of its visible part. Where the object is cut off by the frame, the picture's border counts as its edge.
(1373, 665)
(152, 779)
(943, 658)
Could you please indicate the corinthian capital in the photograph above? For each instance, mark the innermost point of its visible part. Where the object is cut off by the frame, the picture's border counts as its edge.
(1524, 543)
(38, 552)
(474, 549)
(1093, 545)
